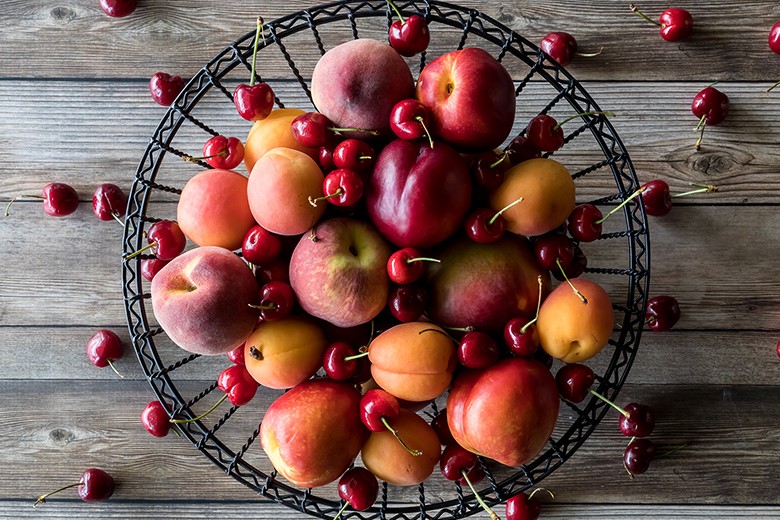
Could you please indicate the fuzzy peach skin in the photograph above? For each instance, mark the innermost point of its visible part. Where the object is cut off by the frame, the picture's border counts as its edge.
(571, 330)
(213, 209)
(279, 189)
(273, 132)
(386, 458)
(313, 432)
(201, 300)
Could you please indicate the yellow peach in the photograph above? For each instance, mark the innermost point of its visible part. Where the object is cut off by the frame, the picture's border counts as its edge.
(273, 132)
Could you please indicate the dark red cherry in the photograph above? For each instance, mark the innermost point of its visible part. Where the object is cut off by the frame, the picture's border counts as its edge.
(521, 339)
(520, 149)
(341, 187)
(488, 169)
(657, 198)
(59, 199)
(485, 226)
(311, 129)
(95, 485)
(584, 223)
(552, 249)
(474, 475)
(151, 266)
(223, 152)
(376, 405)
(353, 154)
(409, 37)
(276, 270)
(254, 102)
(407, 265)
(276, 300)
(544, 133)
(574, 382)
(638, 455)
(455, 460)
(155, 419)
(260, 246)
(118, 8)
(676, 24)
(104, 347)
(662, 313)
(359, 488)
(522, 507)
(335, 362)
(325, 157)
(407, 302)
(109, 202)
(710, 104)
(238, 384)
(165, 88)
(774, 38)
(561, 46)
(167, 239)
(477, 350)
(577, 266)
(442, 428)
(637, 421)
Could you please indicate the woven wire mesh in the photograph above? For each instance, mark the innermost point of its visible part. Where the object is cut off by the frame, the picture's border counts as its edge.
(608, 178)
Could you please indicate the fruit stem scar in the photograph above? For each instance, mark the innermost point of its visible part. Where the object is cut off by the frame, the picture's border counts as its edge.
(313, 235)
(643, 15)
(42, 499)
(613, 405)
(413, 453)
(450, 88)
(256, 353)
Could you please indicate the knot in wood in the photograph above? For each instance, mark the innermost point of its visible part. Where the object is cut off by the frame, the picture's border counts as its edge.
(62, 14)
(61, 435)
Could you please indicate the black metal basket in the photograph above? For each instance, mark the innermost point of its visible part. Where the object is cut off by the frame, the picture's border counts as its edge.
(606, 177)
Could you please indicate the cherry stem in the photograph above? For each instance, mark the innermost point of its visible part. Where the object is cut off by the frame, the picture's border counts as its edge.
(493, 515)
(702, 188)
(116, 217)
(342, 130)
(461, 329)
(537, 490)
(538, 306)
(420, 120)
(189, 158)
(356, 356)
(510, 205)
(678, 448)
(575, 116)
(617, 208)
(343, 508)
(201, 416)
(258, 32)
(578, 293)
(702, 124)
(770, 89)
(34, 197)
(423, 259)
(589, 54)
(271, 306)
(613, 405)
(440, 332)
(337, 193)
(397, 12)
(145, 248)
(643, 15)
(501, 159)
(42, 499)
(413, 453)
(111, 364)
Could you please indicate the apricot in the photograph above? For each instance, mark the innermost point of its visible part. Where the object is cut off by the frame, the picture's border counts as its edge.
(547, 190)
(213, 209)
(279, 189)
(571, 330)
(281, 354)
(384, 456)
(413, 361)
(273, 132)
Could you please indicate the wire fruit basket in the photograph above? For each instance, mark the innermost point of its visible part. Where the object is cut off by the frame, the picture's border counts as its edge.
(288, 49)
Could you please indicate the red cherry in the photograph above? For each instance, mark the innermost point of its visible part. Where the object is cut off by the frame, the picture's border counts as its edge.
(553, 249)
(376, 408)
(95, 485)
(407, 265)
(109, 202)
(59, 199)
(118, 8)
(238, 384)
(442, 428)
(522, 343)
(711, 106)
(277, 270)
(638, 420)
(410, 119)
(561, 46)
(325, 158)
(522, 507)
(165, 88)
(353, 154)
(455, 460)
(474, 475)
(155, 419)
(662, 313)
(223, 152)
(260, 246)
(359, 488)
(409, 37)
(489, 167)
(166, 239)
(335, 362)
(577, 266)
(103, 348)
(584, 223)
(638, 455)
(574, 382)
(237, 355)
(774, 38)
(407, 302)
(520, 149)
(676, 24)
(657, 198)
(477, 350)
(341, 187)
(544, 133)
(151, 266)
(276, 300)
(311, 129)
(485, 226)
(253, 102)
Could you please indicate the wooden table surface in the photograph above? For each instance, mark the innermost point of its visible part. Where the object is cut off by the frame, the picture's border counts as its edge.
(75, 107)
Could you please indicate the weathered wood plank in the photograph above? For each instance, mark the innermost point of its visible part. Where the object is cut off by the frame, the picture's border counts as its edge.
(51, 427)
(106, 129)
(729, 42)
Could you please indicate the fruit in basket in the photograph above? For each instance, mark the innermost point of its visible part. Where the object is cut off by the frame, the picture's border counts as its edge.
(417, 196)
(164, 88)
(484, 285)
(165, 239)
(273, 132)
(505, 412)
(260, 246)
(201, 300)
(386, 458)
(338, 272)
(313, 433)
(407, 265)
(408, 302)
(410, 120)
(471, 97)
(548, 196)
(459, 464)
(357, 83)
(571, 330)
(477, 350)
(213, 209)
(341, 187)
(254, 102)
(276, 301)
(354, 154)
(410, 36)
(377, 410)
(358, 488)
(413, 361)
(279, 188)
(238, 384)
(222, 152)
(281, 354)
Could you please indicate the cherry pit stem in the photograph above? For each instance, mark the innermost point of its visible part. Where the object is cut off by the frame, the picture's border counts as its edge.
(258, 33)
(643, 15)
(582, 114)
(42, 499)
(700, 188)
(413, 453)
(565, 277)
(337, 193)
(505, 208)
(397, 12)
(21, 197)
(113, 367)
(201, 416)
(493, 515)
(423, 259)
(770, 89)
(613, 405)
(617, 208)
(524, 328)
(420, 120)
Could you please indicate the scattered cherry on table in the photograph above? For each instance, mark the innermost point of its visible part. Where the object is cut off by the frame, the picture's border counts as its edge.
(103, 348)
(59, 199)
(358, 488)
(711, 106)
(118, 8)
(662, 313)
(109, 202)
(675, 23)
(165, 88)
(560, 45)
(638, 455)
(95, 485)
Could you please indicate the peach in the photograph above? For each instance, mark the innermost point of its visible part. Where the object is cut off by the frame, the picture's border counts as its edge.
(413, 361)
(279, 189)
(571, 330)
(201, 300)
(384, 456)
(213, 209)
(548, 196)
(357, 83)
(281, 354)
(273, 132)
(313, 433)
